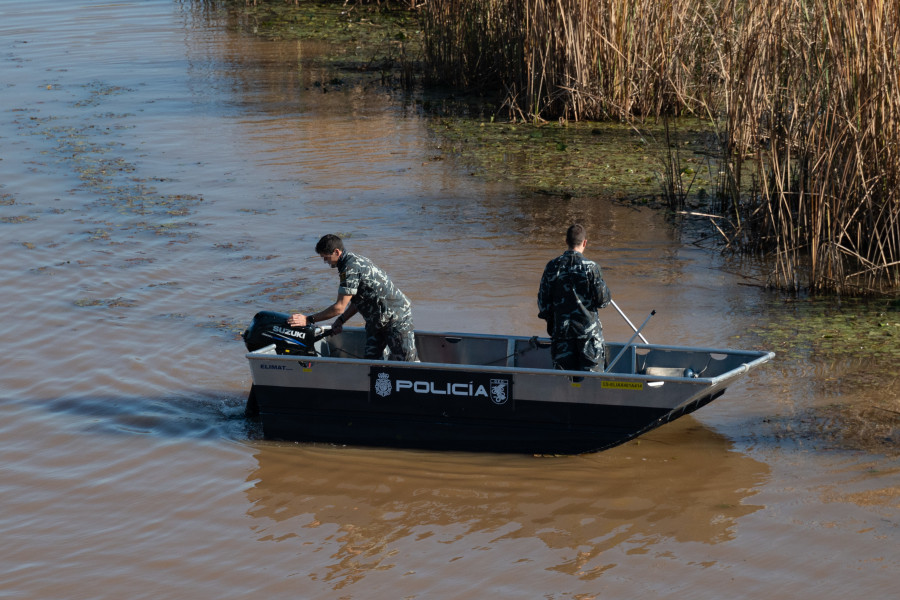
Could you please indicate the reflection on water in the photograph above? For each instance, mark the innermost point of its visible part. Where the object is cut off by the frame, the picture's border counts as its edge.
(373, 504)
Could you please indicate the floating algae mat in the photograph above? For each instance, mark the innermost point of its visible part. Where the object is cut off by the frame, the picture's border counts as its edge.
(850, 351)
(575, 159)
(360, 36)
(828, 329)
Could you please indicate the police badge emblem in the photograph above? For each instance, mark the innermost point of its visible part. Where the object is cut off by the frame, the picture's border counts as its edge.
(383, 385)
(499, 391)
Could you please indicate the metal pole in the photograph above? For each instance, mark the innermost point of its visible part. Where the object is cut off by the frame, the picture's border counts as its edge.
(637, 332)
(627, 320)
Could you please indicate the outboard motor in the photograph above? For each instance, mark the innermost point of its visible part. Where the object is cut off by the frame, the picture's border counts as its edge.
(270, 327)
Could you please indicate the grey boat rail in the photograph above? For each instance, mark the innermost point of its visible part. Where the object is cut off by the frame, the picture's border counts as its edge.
(268, 352)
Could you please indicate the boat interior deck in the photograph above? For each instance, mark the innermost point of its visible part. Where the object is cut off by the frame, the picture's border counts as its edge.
(534, 353)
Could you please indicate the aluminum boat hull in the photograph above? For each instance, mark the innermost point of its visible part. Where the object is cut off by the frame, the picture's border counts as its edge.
(483, 393)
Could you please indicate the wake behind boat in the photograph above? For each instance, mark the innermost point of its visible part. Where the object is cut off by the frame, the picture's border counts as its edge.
(477, 392)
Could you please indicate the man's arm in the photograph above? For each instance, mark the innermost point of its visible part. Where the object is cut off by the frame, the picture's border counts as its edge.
(342, 306)
(603, 295)
(545, 291)
(338, 324)
(545, 299)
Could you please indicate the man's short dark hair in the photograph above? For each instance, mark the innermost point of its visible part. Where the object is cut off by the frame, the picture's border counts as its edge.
(575, 235)
(328, 244)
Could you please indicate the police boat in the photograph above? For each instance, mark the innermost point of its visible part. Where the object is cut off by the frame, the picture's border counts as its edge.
(473, 392)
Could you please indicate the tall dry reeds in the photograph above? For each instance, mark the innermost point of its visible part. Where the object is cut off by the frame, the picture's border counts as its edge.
(473, 44)
(582, 59)
(812, 93)
(804, 93)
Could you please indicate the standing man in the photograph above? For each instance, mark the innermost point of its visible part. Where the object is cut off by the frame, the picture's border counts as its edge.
(365, 289)
(572, 291)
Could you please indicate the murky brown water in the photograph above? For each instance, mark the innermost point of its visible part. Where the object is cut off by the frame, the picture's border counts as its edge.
(162, 179)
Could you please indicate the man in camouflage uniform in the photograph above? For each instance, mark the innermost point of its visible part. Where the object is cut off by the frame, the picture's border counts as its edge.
(572, 291)
(366, 289)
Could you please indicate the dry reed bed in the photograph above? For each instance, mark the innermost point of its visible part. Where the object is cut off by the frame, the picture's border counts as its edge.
(812, 93)
(808, 89)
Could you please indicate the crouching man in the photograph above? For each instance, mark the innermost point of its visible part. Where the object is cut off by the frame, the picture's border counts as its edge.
(367, 290)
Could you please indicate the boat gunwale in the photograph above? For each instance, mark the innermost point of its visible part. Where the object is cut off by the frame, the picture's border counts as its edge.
(762, 357)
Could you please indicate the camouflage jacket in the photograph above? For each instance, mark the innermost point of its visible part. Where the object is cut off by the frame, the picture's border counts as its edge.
(373, 293)
(572, 290)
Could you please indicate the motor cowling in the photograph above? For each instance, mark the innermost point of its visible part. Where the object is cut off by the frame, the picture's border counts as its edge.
(269, 327)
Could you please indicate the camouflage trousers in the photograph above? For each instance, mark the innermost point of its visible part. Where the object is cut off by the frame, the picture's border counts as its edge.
(396, 335)
(578, 354)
